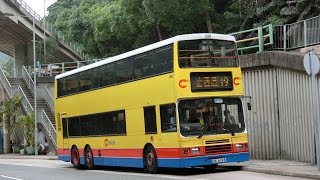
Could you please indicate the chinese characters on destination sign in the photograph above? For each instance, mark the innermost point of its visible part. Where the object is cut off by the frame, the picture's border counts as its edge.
(211, 81)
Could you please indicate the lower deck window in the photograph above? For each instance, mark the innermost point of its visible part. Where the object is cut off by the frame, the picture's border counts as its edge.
(110, 123)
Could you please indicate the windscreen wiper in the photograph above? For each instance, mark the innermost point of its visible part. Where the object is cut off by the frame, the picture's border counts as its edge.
(229, 130)
(203, 130)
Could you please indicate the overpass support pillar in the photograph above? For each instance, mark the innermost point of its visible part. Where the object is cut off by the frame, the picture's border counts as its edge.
(22, 56)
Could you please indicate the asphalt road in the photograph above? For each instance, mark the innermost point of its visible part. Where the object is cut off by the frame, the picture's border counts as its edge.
(31, 169)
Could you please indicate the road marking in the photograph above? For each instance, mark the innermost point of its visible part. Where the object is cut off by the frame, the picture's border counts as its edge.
(8, 177)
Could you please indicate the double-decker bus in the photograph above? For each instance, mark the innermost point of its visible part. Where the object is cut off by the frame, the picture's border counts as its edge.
(176, 103)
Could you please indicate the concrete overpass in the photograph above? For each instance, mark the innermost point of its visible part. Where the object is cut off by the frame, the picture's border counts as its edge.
(16, 36)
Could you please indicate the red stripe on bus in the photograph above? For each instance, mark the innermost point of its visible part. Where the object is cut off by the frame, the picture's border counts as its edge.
(168, 152)
(161, 152)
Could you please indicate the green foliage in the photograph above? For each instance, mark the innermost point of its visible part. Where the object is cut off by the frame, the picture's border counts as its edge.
(108, 27)
(10, 110)
(27, 123)
(8, 67)
(10, 107)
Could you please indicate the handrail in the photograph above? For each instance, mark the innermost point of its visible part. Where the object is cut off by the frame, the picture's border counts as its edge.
(49, 127)
(26, 76)
(24, 98)
(48, 97)
(258, 40)
(297, 35)
(58, 68)
(6, 83)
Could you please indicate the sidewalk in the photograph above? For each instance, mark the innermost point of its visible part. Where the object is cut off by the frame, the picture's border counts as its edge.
(21, 156)
(282, 167)
(278, 167)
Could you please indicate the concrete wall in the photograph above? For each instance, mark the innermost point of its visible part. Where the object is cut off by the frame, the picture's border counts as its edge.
(280, 123)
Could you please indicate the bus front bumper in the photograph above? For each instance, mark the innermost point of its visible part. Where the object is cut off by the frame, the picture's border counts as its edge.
(204, 160)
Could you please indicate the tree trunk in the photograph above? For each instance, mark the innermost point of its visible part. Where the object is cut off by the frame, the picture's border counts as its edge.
(159, 32)
(208, 21)
(6, 134)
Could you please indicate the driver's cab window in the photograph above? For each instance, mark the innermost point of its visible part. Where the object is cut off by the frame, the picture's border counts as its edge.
(230, 115)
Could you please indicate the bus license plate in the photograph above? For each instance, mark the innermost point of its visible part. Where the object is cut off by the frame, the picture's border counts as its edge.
(219, 160)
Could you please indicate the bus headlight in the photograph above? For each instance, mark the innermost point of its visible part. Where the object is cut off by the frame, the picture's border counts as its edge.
(239, 147)
(195, 150)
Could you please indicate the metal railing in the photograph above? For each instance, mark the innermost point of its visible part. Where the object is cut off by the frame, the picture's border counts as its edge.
(48, 97)
(49, 127)
(5, 82)
(27, 78)
(48, 27)
(297, 35)
(256, 38)
(25, 102)
(12, 90)
(54, 69)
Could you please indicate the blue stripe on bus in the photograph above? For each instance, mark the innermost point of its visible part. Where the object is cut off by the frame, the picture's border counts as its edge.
(203, 160)
(65, 158)
(164, 162)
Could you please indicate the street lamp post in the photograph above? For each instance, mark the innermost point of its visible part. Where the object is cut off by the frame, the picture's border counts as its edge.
(34, 77)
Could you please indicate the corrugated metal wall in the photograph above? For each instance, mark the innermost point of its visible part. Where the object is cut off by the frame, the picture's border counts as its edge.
(279, 124)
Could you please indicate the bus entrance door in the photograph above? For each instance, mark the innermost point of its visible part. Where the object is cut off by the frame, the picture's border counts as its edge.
(65, 131)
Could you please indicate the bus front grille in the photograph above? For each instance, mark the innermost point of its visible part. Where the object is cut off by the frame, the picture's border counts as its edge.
(218, 141)
(217, 149)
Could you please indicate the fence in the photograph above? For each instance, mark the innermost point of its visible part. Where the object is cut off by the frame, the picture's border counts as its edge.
(256, 38)
(297, 35)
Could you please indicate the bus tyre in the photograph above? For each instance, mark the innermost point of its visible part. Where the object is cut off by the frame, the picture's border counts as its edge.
(88, 158)
(75, 157)
(150, 160)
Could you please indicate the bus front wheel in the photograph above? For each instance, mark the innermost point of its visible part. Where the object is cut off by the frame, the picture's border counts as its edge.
(89, 158)
(150, 160)
(75, 157)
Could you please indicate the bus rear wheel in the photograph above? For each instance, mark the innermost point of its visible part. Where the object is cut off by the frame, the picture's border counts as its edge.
(75, 157)
(150, 160)
(89, 158)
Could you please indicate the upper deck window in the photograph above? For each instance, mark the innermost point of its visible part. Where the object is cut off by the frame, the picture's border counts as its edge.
(207, 53)
(144, 65)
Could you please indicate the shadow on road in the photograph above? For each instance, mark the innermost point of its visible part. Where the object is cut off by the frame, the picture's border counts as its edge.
(174, 171)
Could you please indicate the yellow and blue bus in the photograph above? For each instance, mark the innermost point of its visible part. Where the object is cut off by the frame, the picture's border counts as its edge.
(176, 103)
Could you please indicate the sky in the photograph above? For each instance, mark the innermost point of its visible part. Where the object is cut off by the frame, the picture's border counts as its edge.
(38, 5)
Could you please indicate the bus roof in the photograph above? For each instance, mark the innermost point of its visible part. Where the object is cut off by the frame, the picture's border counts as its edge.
(148, 48)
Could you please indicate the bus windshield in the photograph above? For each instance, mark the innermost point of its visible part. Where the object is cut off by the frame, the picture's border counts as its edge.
(210, 116)
(207, 53)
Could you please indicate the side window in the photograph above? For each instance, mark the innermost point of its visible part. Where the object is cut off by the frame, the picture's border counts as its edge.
(97, 75)
(113, 123)
(168, 118)
(122, 71)
(72, 84)
(85, 80)
(107, 72)
(150, 122)
(62, 87)
(121, 123)
(164, 62)
(74, 126)
(143, 65)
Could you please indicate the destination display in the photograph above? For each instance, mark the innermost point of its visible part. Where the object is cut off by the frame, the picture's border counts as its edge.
(211, 81)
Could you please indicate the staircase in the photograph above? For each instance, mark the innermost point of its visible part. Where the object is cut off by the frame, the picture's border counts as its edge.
(41, 104)
(45, 115)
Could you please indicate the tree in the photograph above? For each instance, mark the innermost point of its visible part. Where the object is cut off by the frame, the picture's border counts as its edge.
(27, 123)
(9, 117)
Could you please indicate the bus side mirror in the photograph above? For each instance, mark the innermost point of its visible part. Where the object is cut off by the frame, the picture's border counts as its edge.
(249, 106)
